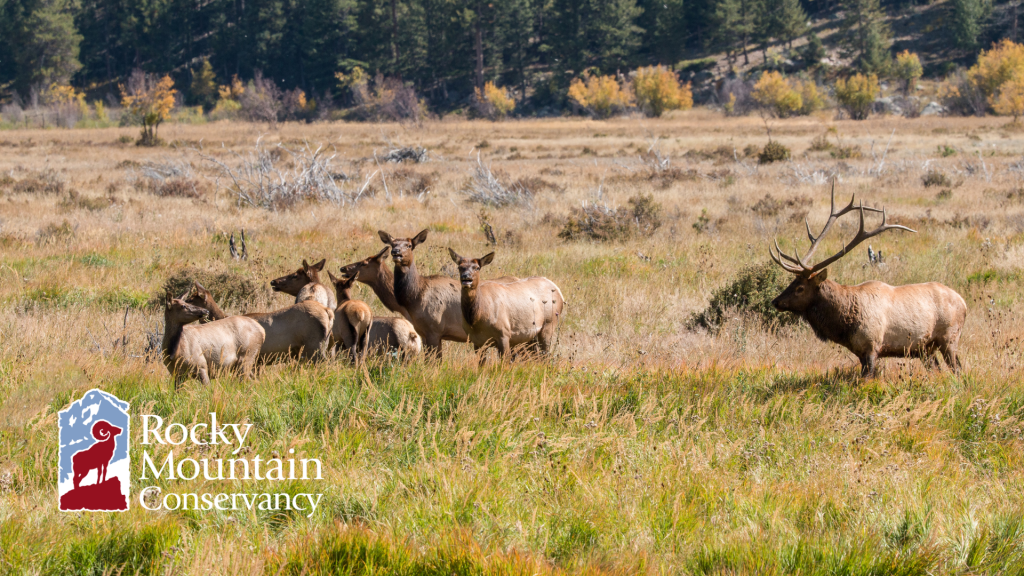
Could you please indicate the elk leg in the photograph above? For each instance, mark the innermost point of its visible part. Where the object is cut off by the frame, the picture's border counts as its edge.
(204, 377)
(867, 363)
(952, 360)
(503, 348)
(432, 347)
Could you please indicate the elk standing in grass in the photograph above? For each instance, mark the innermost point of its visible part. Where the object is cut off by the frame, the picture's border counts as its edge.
(196, 351)
(305, 285)
(352, 320)
(299, 330)
(507, 314)
(433, 304)
(374, 273)
(873, 320)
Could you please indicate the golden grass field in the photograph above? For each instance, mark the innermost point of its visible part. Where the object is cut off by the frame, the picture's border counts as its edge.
(643, 446)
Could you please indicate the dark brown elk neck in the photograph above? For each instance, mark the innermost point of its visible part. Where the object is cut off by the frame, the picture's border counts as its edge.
(469, 303)
(383, 285)
(834, 315)
(172, 335)
(408, 285)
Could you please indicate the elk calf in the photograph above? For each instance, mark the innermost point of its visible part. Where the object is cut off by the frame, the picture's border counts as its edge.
(873, 320)
(305, 285)
(352, 320)
(506, 314)
(195, 351)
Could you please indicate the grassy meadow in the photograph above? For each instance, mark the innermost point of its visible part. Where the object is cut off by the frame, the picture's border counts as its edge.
(644, 446)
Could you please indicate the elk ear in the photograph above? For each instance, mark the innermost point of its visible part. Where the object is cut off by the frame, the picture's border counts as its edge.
(455, 257)
(385, 237)
(419, 238)
(319, 265)
(305, 265)
(198, 288)
(331, 276)
(820, 277)
(381, 255)
(168, 297)
(185, 295)
(486, 259)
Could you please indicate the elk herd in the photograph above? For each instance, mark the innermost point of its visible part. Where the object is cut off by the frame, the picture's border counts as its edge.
(521, 315)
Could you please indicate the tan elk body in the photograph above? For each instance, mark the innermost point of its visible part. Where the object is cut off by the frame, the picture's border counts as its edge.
(873, 320)
(386, 333)
(202, 350)
(305, 285)
(300, 330)
(507, 314)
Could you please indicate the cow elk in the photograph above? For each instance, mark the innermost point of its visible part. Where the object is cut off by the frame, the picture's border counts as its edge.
(433, 304)
(507, 314)
(352, 320)
(873, 320)
(198, 351)
(300, 330)
(305, 285)
(374, 273)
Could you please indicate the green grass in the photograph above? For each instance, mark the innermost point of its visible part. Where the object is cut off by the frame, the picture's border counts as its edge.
(544, 468)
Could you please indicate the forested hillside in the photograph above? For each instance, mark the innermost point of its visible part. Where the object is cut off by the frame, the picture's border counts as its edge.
(443, 49)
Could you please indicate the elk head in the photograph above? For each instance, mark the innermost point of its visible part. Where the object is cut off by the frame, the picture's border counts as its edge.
(104, 431)
(401, 248)
(342, 286)
(366, 269)
(180, 311)
(199, 296)
(292, 283)
(804, 289)
(469, 268)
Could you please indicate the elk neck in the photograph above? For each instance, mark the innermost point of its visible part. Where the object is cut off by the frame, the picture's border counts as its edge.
(215, 311)
(834, 315)
(383, 285)
(408, 284)
(469, 301)
(172, 335)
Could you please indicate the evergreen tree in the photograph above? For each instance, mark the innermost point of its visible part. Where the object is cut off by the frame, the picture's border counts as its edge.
(203, 91)
(45, 44)
(734, 26)
(664, 23)
(791, 21)
(965, 22)
(865, 35)
(594, 33)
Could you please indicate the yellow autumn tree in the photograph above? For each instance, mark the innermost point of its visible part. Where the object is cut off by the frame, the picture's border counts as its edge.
(907, 69)
(658, 90)
(777, 95)
(997, 66)
(1009, 101)
(602, 96)
(494, 102)
(856, 94)
(149, 101)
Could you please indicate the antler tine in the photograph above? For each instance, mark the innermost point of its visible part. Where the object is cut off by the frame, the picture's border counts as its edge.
(783, 255)
(861, 236)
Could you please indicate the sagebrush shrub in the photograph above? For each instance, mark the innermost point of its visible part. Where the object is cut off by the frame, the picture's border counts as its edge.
(773, 151)
(752, 293)
(642, 215)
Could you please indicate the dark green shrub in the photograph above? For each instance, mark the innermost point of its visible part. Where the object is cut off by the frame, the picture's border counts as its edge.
(773, 152)
(936, 178)
(752, 293)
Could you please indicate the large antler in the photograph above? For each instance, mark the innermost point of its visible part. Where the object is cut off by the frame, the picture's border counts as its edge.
(797, 265)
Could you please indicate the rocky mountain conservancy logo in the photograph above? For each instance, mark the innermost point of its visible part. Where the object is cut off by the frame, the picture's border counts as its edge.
(94, 471)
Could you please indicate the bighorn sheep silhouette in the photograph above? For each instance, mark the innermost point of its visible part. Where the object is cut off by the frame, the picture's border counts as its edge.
(97, 456)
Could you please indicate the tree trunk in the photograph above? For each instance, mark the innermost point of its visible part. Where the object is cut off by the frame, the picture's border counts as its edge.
(394, 34)
(479, 47)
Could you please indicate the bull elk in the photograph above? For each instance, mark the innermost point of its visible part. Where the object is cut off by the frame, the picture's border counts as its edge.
(300, 330)
(873, 320)
(305, 285)
(196, 351)
(433, 304)
(506, 314)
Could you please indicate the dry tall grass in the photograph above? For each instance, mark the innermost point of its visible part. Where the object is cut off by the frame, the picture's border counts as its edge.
(646, 446)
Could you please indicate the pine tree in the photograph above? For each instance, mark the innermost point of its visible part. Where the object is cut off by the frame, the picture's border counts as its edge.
(965, 22)
(46, 45)
(734, 25)
(865, 35)
(792, 21)
(204, 86)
